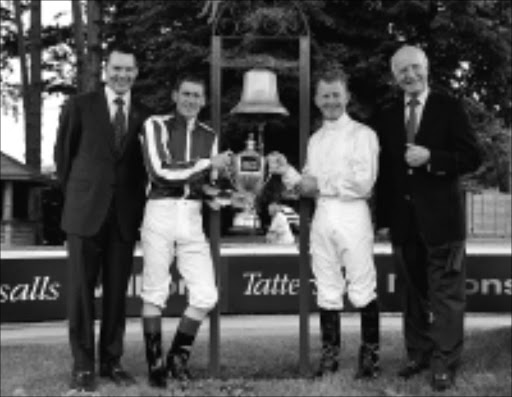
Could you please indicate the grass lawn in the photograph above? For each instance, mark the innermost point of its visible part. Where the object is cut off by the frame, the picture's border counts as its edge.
(263, 361)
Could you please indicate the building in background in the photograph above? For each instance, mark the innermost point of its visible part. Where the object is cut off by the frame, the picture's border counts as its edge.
(21, 206)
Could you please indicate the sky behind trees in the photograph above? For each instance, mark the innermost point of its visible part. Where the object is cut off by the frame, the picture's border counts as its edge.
(13, 144)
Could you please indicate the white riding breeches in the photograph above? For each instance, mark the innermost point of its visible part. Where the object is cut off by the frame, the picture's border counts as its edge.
(172, 228)
(342, 253)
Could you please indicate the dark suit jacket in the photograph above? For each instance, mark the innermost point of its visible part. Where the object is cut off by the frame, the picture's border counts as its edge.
(91, 172)
(434, 189)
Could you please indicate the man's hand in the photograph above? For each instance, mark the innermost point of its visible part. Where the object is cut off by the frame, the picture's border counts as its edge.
(209, 190)
(308, 186)
(416, 155)
(277, 163)
(222, 160)
(214, 204)
(382, 234)
(240, 200)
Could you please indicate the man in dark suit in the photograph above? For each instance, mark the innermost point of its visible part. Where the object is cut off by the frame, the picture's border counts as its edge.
(99, 165)
(426, 145)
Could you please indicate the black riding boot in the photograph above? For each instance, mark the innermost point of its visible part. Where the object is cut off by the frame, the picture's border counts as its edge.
(368, 361)
(179, 353)
(330, 334)
(177, 365)
(157, 371)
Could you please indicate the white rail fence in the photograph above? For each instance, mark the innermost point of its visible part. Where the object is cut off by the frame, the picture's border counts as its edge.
(488, 214)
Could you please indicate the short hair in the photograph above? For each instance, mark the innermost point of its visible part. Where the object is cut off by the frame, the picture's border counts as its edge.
(408, 48)
(122, 48)
(190, 78)
(331, 75)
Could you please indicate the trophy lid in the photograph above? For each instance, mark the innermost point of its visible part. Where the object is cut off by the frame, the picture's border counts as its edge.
(251, 142)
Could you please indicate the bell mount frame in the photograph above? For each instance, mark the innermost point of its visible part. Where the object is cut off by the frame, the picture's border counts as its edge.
(230, 26)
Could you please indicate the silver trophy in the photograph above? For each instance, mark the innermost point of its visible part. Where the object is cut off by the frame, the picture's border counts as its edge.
(248, 177)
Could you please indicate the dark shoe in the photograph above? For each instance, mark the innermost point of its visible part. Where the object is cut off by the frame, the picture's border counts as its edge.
(368, 362)
(82, 382)
(442, 381)
(157, 377)
(412, 368)
(177, 366)
(117, 374)
(328, 361)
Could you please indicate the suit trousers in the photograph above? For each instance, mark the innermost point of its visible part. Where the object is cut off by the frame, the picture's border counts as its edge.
(104, 253)
(433, 280)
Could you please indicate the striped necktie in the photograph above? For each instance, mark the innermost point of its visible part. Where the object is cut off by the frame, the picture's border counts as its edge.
(119, 123)
(412, 121)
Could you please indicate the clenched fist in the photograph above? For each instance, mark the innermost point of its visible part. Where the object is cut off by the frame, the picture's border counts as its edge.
(222, 160)
(308, 186)
(416, 155)
(277, 163)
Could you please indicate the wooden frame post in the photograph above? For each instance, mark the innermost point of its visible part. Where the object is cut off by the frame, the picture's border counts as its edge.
(215, 215)
(304, 260)
(300, 34)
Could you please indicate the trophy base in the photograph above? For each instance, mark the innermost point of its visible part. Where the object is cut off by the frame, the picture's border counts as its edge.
(247, 219)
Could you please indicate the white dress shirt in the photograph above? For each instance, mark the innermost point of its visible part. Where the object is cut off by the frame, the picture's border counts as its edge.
(112, 107)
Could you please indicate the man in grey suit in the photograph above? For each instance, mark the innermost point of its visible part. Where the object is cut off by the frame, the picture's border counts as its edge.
(427, 144)
(100, 168)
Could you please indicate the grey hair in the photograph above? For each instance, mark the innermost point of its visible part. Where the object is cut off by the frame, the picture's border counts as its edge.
(408, 48)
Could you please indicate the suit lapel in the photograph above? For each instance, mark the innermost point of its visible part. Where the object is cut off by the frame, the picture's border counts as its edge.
(398, 123)
(427, 119)
(134, 117)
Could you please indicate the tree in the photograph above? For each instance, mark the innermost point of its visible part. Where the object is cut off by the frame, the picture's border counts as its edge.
(88, 45)
(94, 44)
(468, 43)
(33, 117)
(31, 82)
(79, 37)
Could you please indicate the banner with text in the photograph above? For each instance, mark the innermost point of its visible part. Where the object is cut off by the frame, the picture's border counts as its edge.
(35, 289)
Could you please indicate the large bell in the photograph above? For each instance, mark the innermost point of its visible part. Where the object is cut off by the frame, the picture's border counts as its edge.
(260, 94)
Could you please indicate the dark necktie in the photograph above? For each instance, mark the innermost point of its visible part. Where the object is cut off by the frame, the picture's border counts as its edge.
(119, 123)
(412, 121)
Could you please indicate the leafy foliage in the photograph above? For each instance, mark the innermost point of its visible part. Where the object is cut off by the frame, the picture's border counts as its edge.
(57, 63)
(468, 44)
